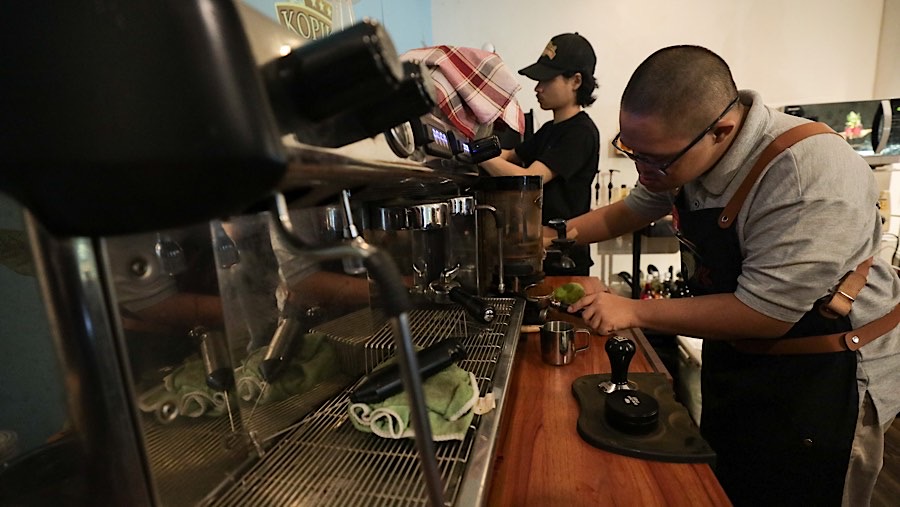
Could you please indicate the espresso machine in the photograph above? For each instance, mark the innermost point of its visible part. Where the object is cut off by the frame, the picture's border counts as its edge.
(221, 242)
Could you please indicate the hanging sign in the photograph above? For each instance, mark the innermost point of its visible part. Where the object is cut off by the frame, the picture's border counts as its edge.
(310, 19)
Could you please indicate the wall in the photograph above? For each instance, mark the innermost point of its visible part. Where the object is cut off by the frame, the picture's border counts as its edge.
(887, 75)
(408, 22)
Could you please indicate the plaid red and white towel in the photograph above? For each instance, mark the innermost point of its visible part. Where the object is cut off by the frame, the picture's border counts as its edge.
(474, 87)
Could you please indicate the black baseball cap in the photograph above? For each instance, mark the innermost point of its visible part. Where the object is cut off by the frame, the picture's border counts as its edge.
(567, 52)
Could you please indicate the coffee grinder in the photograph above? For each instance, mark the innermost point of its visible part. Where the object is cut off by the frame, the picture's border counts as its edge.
(517, 200)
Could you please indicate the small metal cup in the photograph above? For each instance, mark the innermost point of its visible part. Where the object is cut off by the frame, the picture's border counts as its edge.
(558, 342)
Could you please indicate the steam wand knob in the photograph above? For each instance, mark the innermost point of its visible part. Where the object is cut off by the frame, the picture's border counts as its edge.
(620, 350)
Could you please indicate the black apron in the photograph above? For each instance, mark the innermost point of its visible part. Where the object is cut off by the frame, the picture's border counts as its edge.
(781, 426)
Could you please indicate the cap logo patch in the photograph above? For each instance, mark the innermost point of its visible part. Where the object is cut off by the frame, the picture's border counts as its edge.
(550, 50)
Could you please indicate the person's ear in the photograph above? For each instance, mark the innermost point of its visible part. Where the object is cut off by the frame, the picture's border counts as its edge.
(723, 130)
(576, 81)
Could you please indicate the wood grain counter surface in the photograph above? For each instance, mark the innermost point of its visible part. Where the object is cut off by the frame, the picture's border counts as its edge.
(542, 461)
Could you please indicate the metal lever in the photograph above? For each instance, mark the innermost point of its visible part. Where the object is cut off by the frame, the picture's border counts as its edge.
(226, 250)
(352, 265)
(278, 353)
(217, 364)
(620, 351)
(170, 254)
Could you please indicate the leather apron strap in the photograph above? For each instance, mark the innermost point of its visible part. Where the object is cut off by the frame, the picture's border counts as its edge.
(840, 301)
(778, 145)
(823, 344)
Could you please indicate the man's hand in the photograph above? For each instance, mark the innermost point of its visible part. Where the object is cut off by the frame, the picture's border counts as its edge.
(606, 312)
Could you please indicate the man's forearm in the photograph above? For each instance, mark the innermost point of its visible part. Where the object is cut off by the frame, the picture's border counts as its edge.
(605, 223)
(717, 316)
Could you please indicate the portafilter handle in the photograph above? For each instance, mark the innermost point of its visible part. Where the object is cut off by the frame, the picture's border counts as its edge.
(562, 243)
(559, 225)
(620, 350)
(474, 305)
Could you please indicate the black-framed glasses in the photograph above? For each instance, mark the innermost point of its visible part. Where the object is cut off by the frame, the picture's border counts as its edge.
(663, 166)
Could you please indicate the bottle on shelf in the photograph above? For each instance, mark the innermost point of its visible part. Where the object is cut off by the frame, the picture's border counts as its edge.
(647, 292)
(666, 291)
(884, 206)
(681, 289)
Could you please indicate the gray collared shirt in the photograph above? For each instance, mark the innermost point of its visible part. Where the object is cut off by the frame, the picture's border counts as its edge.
(810, 218)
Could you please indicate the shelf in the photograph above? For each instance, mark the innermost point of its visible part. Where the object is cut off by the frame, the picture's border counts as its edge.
(624, 245)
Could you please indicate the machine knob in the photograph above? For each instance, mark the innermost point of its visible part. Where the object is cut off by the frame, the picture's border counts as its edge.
(620, 350)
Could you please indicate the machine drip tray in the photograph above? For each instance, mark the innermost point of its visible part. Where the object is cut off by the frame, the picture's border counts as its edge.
(676, 439)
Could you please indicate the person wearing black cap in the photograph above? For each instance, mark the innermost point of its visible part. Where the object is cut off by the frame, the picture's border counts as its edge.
(565, 152)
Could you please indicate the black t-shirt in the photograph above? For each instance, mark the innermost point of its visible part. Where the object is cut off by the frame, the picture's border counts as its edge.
(571, 149)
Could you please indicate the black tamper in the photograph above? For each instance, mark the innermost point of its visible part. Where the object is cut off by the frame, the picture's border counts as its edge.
(620, 350)
(627, 409)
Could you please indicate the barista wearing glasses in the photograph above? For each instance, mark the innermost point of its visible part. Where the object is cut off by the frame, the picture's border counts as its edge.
(565, 152)
(779, 229)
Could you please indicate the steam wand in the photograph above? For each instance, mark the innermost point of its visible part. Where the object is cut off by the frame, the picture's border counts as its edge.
(500, 223)
(382, 268)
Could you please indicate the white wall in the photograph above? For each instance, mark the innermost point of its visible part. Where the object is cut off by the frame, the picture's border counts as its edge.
(791, 51)
(408, 22)
(887, 75)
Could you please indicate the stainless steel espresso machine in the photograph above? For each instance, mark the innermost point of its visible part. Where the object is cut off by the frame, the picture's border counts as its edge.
(225, 228)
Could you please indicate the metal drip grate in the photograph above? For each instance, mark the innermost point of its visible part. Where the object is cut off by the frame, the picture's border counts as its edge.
(324, 460)
(189, 457)
(364, 340)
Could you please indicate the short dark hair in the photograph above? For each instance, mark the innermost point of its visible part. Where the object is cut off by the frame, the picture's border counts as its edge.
(685, 85)
(584, 95)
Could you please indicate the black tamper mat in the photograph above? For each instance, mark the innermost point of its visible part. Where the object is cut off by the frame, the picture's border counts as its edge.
(631, 411)
(674, 438)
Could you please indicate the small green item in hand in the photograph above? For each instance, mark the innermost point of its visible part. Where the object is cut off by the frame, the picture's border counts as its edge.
(569, 293)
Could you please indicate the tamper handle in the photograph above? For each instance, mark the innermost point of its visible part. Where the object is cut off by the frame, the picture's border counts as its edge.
(620, 351)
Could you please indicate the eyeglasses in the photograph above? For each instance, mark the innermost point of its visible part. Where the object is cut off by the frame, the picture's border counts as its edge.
(663, 166)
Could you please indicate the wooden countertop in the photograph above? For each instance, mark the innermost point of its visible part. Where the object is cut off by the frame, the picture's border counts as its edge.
(542, 461)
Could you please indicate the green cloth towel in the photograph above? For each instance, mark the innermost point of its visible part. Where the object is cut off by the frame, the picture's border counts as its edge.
(186, 388)
(313, 361)
(450, 396)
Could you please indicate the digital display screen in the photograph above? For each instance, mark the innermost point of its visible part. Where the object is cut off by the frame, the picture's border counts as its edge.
(439, 136)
